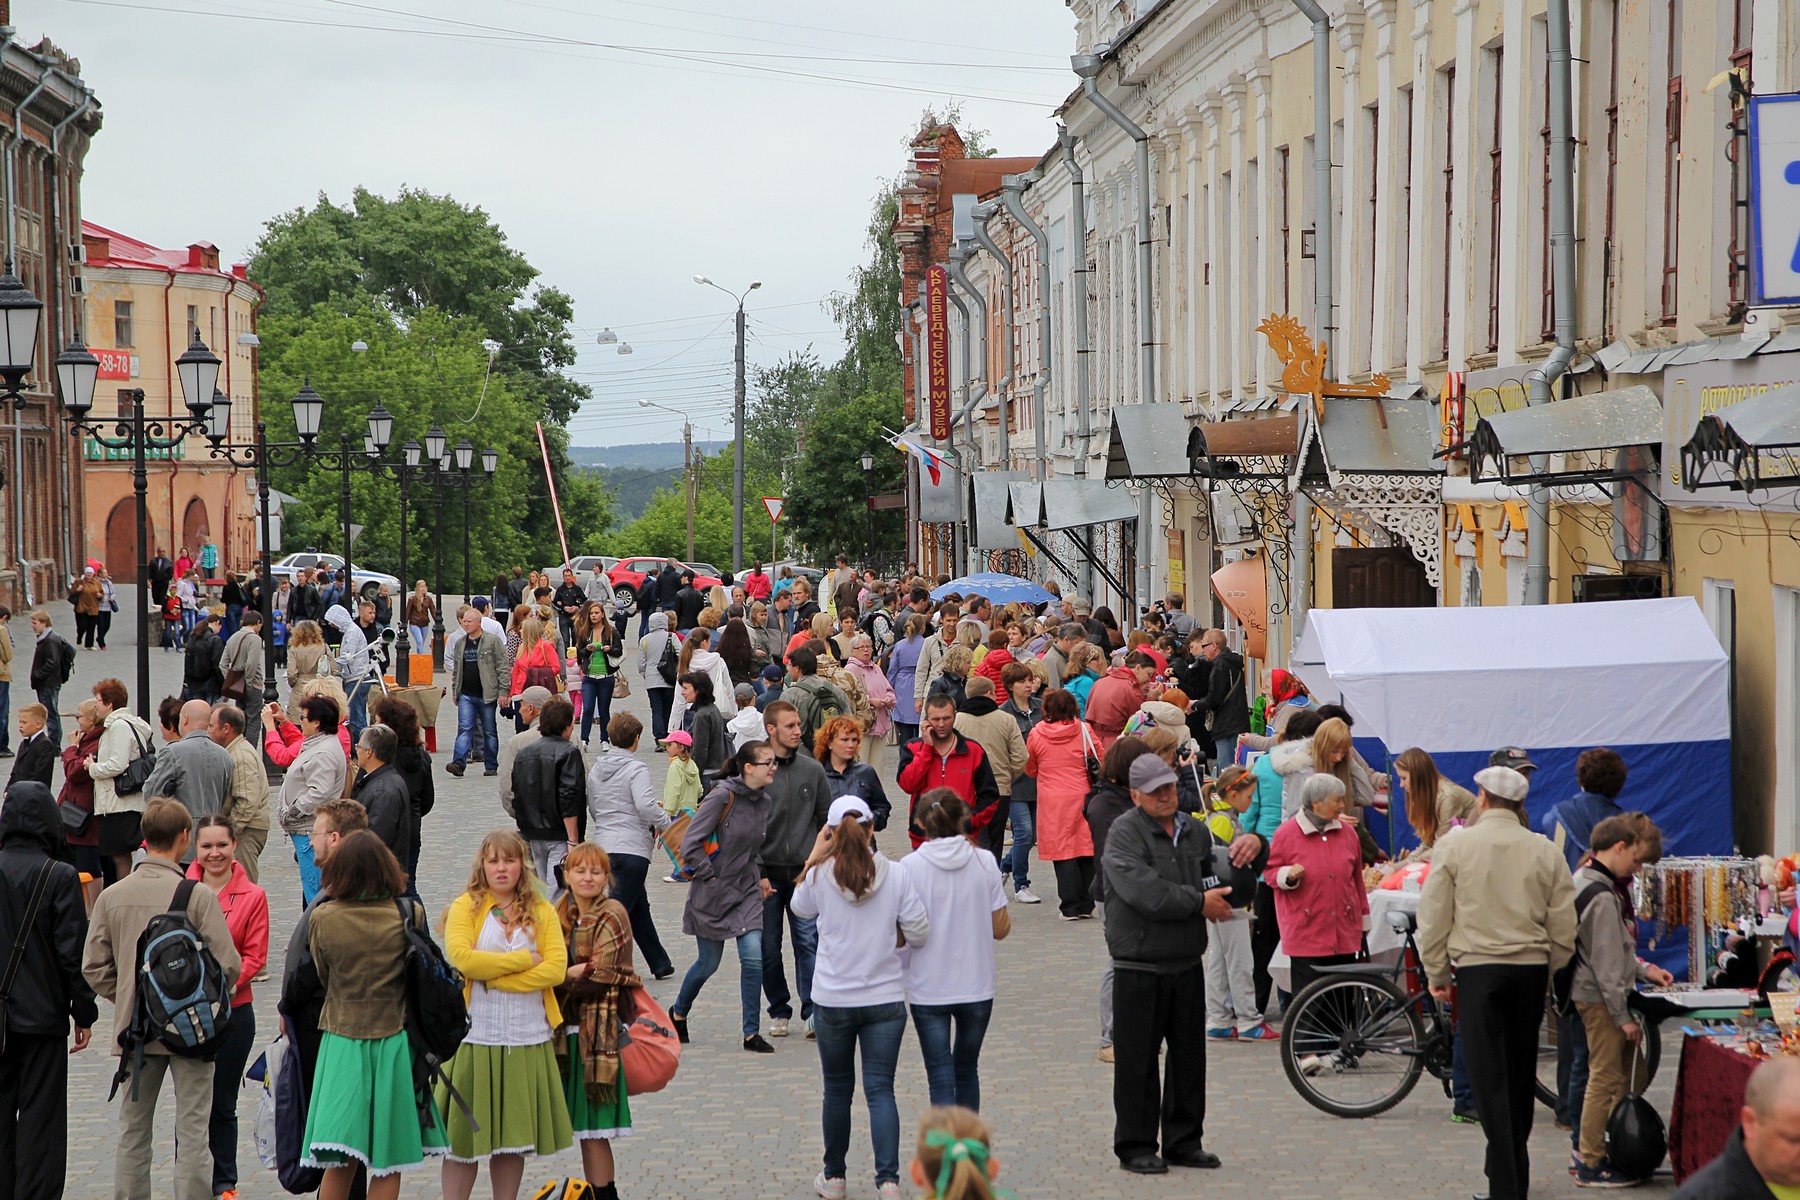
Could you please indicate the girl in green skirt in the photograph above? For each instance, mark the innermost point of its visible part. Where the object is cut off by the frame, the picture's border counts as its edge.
(505, 939)
(363, 1108)
(595, 1001)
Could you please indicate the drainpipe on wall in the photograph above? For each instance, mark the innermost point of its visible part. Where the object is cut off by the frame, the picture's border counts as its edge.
(59, 335)
(977, 385)
(1088, 67)
(1012, 188)
(1078, 272)
(12, 155)
(1539, 381)
(982, 214)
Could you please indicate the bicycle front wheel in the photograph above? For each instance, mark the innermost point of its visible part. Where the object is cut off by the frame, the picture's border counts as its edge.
(1353, 1045)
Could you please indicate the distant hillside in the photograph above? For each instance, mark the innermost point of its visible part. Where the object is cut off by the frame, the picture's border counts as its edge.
(639, 455)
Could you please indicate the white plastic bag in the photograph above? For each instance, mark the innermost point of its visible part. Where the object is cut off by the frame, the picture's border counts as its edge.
(262, 1073)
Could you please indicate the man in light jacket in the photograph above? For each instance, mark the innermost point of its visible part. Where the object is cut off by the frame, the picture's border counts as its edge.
(1500, 907)
(248, 807)
(997, 733)
(109, 963)
(626, 816)
(352, 665)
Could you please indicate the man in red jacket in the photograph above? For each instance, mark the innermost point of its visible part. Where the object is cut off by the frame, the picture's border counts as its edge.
(1116, 695)
(942, 757)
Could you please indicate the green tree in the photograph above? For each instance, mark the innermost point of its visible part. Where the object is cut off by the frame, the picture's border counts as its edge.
(825, 499)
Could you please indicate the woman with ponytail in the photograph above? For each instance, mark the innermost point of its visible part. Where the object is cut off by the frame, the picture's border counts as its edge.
(955, 1158)
(858, 898)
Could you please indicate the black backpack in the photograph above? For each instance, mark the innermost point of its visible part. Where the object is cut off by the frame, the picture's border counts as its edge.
(668, 664)
(437, 1017)
(1562, 980)
(66, 651)
(183, 998)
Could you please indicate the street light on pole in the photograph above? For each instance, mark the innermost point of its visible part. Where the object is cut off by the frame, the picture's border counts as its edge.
(687, 473)
(868, 466)
(737, 428)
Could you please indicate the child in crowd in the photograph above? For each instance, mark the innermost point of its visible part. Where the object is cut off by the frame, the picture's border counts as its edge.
(172, 626)
(681, 787)
(1231, 1012)
(954, 1159)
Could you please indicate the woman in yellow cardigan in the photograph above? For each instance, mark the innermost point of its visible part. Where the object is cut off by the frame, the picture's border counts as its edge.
(506, 940)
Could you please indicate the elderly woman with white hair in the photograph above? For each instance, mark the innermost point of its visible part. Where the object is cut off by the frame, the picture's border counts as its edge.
(1315, 867)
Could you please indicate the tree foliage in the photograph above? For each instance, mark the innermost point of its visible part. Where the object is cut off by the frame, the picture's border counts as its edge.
(825, 502)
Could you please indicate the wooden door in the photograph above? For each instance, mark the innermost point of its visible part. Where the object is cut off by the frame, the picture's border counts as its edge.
(1384, 577)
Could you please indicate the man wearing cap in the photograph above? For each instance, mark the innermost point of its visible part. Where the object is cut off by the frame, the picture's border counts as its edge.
(1499, 907)
(1156, 867)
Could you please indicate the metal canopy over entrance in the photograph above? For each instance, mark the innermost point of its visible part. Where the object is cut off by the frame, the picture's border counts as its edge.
(1749, 445)
(1593, 435)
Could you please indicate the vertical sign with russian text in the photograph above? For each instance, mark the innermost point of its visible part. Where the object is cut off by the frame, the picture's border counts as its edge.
(937, 350)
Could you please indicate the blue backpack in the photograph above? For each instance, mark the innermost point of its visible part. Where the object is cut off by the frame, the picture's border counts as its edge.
(183, 998)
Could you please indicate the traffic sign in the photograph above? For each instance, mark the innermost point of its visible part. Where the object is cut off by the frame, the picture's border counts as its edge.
(773, 504)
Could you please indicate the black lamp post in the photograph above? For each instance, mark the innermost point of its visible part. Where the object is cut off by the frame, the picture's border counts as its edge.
(77, 373)
(868, 466)
(464, 479)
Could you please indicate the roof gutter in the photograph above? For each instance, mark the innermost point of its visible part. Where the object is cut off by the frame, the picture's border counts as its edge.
(1539, 381)
(1012, 188)
(982, 213)
(59, 335)
(1079, 271)
(975, 386)
(1323, 261)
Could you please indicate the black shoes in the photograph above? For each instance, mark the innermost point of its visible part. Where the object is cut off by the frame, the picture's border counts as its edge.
(681, 1033)
(454, 767)
(664, 974)
(1145, 1164)
(756, 1045)
(1205, 1160)
(491, 772)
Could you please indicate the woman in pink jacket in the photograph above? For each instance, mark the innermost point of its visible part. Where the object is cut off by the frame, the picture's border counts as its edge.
(1056, 756)
(1315, 867)
(863, 666)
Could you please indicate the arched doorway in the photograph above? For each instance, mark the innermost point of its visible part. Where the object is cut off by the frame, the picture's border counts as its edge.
(194, 526)
(121, 540)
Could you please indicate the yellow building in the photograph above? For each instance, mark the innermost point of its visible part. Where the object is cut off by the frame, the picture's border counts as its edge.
(144, 306)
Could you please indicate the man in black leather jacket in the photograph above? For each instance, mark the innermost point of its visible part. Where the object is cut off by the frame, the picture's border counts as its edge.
(549, 786)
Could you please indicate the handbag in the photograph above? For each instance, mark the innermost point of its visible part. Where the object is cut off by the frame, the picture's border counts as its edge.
(649, 1051)
(233, 688)
(74, 817)
(136, 774)
(18, 950)
(709, 844)
(1090, 756)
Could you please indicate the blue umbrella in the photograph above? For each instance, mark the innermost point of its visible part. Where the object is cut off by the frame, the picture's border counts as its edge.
(1001, 589)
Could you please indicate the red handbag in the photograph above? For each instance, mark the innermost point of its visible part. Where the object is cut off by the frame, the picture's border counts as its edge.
(648, 1048)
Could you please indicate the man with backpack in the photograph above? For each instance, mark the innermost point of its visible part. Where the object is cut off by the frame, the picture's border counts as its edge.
(817, 700)
(41, 926)
(879, 625)
(52, 662)
(117, 966)
(1606, 972)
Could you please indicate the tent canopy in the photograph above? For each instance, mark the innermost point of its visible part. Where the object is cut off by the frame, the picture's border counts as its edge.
(1645, 677)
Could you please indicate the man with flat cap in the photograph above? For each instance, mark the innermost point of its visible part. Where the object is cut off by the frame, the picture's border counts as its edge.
(1499, 908)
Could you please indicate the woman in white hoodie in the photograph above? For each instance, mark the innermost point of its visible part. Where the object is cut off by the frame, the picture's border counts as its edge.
(858, 897)
(950, 981)
(697, 658)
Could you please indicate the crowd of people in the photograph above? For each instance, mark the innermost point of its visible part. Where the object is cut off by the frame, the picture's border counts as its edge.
(1111, 752)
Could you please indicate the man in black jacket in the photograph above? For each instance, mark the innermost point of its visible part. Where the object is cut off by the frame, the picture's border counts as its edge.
(1226, 698)
(303, 599)
(162, 574)
(383, 792)
(549, 786)
(688, 603)
(1160, 893)
(668, 585)
(48, 993)
(201, 677)
(51, 662)
(1763, 1153)
(568, 599)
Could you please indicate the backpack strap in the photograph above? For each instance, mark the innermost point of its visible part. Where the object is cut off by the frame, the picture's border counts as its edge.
(184, 892)
(18, 951)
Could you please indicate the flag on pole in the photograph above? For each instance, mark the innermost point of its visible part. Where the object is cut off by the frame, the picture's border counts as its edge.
(930, 459)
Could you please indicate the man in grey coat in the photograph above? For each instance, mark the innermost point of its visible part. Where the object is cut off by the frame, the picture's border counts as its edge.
(799, 802)
(244, 652)
(193, 768)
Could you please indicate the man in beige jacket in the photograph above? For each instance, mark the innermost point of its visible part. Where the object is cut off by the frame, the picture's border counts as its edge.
(109, 963)
(997, 733)
(1499, 906)
(247, 805)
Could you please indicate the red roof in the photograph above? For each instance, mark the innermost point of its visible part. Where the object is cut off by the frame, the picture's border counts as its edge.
(108, 248)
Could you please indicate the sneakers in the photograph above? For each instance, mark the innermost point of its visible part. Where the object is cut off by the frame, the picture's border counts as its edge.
(1312, 1064)
(1026, 896)
(671, 878)
(888, 1191)
(1068, 916)
(756, 1045)
(1105, 1055)
(1225, 1034)
(812, 1035)
(491, 772)
(1262, 1033)
(1602, 1176)
(1466, 1116)
(778, 1026)
(828, 1189)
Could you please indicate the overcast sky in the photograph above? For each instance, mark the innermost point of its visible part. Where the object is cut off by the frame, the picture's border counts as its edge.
(623, 147)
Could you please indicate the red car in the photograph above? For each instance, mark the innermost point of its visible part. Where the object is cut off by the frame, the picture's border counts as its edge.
(628, 577)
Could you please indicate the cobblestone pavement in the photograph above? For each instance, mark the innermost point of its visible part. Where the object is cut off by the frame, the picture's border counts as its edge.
(739, 1125)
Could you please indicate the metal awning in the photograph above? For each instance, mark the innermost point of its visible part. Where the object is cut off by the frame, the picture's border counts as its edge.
(988, 529)
(1590, 432)
(1375, 437)
(1057, 504)
(1252, 448)
(1752, 444)
(1149, 441)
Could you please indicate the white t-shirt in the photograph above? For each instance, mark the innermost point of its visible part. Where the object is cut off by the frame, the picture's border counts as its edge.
(858, 964)
(960, 887)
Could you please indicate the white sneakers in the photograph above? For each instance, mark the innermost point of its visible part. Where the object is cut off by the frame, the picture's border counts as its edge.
(1026, 896)
(778, 1026)
(832, 1189)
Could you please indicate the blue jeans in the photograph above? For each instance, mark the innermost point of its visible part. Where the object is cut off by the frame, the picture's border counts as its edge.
(359, 711)
(1018, 859)
(749, 949)
(1571, 1073)
(879, 1027)
(1226, 749)
(309, 870)
(53, 722)
(421, 638)
(475, 715)
(1462, 1092)
(233, 613)
(596, 703)
(806, 953)
(662, 702)
(953, 1059)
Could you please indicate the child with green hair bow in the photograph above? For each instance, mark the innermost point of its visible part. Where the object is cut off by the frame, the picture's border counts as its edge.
(953, 1158)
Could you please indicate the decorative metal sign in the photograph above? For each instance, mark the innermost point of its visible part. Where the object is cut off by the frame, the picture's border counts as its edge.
(937, 351)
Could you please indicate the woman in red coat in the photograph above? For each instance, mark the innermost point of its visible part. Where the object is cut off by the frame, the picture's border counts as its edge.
(1056, 756)
(78, 786)
(1315, 867)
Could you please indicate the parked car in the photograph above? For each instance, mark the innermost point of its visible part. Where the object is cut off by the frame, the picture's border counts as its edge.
(812, 575)
(367, 582)
(584, 565)
(628, 576)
